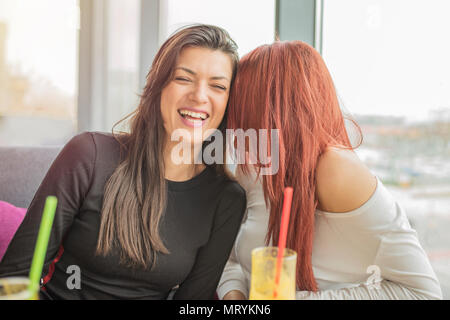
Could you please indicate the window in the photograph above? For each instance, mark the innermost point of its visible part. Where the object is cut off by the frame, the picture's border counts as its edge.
(38, 71)
(109, 63)
(389, 61)
(122, 66)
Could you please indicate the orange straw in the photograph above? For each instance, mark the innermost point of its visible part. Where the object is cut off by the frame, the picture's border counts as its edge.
(283, 235)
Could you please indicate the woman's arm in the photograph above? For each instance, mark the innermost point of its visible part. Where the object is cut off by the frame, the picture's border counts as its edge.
(68, 179)
(202, 281)
(386, 290)
(233, 285)
(345, 184)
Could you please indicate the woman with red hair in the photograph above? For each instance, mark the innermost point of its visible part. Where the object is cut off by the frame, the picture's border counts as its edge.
(344, 224)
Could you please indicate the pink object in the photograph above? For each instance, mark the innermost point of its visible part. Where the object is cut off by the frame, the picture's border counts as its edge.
(283, 233)
(10, 219)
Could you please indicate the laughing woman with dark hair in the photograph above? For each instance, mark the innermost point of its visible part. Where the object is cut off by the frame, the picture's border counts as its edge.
(344, 223)
(136, 223)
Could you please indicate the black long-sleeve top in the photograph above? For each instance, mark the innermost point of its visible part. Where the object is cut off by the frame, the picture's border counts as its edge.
(198, 228)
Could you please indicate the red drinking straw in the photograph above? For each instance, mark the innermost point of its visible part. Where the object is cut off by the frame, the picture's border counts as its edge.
(283, 234)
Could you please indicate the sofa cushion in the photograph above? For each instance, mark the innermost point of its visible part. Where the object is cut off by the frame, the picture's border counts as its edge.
(10, 219)
(21, 172)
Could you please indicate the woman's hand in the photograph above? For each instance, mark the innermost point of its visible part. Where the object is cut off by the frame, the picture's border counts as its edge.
(234, 295)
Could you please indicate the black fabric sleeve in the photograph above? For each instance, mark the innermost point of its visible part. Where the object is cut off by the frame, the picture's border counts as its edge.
(68, 179)
(204, 277)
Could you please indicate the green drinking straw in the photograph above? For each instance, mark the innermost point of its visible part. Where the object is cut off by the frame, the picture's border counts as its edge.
(41, 244)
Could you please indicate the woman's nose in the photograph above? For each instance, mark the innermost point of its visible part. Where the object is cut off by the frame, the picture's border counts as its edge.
(200, 93)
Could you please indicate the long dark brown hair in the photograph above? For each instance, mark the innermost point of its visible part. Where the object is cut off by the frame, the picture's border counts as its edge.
(287, 86)
(136, 193)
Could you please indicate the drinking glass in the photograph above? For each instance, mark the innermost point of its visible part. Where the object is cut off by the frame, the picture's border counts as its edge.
(16, 288)
(264, 263)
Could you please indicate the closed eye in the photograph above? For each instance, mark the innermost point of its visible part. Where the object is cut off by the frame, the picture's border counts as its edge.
(220, 87)
(182, 79)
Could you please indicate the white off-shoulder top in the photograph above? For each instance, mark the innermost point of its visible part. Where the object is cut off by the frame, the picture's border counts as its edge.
(368, 253)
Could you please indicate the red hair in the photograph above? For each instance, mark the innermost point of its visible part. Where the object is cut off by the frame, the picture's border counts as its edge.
(287, 86)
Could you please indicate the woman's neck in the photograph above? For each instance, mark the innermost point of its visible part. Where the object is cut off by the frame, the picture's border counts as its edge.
(186, 170)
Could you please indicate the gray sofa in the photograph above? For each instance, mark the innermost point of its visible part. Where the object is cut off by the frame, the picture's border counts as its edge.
(21, 172)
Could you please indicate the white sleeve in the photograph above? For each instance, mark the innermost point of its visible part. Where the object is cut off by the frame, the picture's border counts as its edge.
(406, 272)
(402, 260)
(386, 290)
(233, 278)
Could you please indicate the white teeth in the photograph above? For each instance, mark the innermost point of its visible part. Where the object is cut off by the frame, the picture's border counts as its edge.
(192, 114)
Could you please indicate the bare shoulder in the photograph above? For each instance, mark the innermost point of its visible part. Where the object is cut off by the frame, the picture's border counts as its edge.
(344, 183)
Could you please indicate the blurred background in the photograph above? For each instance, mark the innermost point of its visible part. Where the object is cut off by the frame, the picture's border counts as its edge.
(68, 66)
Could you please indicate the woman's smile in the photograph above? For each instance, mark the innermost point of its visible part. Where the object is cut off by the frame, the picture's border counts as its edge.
(192, 117)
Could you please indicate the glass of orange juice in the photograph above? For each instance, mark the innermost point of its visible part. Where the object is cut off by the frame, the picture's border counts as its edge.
(16, 288)
(264, 262)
